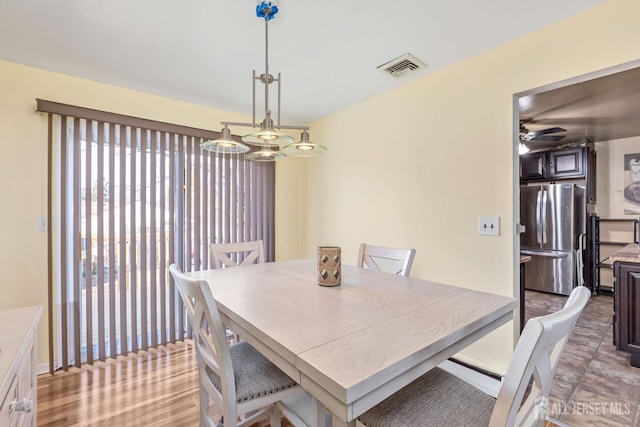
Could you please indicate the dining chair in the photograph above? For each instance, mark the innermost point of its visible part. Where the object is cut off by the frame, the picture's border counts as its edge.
(388, 260)
(242, 383)
(234, 254)
(439, 398)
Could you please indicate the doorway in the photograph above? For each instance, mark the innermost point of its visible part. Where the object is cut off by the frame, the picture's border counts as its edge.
(601, 109)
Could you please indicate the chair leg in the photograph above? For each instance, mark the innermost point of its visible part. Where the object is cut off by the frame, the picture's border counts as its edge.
(206, 420)
(276, 416)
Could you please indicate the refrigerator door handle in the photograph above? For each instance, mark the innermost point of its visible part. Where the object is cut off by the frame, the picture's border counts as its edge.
(544, 217)
(538, 224)
(547, 254)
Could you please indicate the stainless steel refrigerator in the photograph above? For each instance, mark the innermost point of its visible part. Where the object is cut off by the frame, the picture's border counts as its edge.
(554, 220)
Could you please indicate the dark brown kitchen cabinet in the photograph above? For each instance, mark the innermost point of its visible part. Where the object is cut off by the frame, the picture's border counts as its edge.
(566, 163)
(626, 309)
(532, 166)
(557, 164)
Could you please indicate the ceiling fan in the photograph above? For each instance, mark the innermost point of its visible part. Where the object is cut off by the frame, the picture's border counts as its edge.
(538, 135)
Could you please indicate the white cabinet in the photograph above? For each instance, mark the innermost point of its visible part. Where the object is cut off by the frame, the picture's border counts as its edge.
(18, 361)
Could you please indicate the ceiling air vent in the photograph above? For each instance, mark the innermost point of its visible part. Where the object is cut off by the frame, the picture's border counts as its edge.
(402, 65)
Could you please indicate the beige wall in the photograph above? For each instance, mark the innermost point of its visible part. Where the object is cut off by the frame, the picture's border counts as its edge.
(412, 167)
(416, 166)
(290, 207)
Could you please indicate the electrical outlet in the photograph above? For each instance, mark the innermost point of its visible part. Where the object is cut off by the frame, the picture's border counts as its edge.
(489, 225)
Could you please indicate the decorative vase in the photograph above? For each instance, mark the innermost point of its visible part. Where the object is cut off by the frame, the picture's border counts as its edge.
(329, 265)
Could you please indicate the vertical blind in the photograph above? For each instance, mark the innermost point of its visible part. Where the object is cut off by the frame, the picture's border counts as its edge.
(131, 196)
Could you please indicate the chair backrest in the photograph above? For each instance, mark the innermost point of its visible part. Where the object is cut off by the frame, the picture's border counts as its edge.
(223, 254)
(209, 336)
(388, 260)
(536, 356)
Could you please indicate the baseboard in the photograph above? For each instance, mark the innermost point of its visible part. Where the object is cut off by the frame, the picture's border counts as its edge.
(487, 382)
(43, 368)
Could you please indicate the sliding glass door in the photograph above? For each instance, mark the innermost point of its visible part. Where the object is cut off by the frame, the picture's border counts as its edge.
(133, 200)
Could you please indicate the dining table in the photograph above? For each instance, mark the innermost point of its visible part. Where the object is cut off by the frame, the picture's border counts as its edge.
(353, 345)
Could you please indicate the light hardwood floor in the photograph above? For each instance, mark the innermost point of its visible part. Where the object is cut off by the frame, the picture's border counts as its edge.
(154, 388)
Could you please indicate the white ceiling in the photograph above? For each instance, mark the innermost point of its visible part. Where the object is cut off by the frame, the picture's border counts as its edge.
(203, 51)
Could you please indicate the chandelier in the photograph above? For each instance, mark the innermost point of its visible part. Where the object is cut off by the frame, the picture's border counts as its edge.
(269, 143)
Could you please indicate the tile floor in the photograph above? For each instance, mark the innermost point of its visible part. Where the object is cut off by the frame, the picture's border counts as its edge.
(594, 384)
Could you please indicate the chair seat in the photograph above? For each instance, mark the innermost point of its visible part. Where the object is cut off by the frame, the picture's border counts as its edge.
(255, 375)
(438, 398)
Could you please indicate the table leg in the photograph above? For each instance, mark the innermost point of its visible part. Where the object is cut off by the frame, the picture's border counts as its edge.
(322, 417)
(337, 422)
(318, 418)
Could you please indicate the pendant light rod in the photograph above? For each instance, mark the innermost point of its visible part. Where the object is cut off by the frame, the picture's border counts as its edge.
(279, 81)
(267, 76)
(257, 125)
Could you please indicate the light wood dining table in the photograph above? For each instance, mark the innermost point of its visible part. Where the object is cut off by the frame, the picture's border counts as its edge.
(353, 345)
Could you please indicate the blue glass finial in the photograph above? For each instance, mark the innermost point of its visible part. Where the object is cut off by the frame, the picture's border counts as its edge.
(266, 9)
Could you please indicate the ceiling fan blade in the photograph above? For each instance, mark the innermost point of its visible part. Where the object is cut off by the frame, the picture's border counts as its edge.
(546, 131)
(548, 138)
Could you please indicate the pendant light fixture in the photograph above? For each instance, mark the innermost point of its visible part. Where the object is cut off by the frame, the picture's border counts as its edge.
(269, 143)
(225, 144)
(304, 147)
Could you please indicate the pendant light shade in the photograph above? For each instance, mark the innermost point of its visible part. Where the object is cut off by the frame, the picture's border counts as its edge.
(225, 144)
(267, 135)
(265, 154)
(304, 148)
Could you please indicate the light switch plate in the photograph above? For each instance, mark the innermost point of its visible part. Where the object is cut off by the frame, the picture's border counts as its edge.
(42, 223)
(489, 225)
